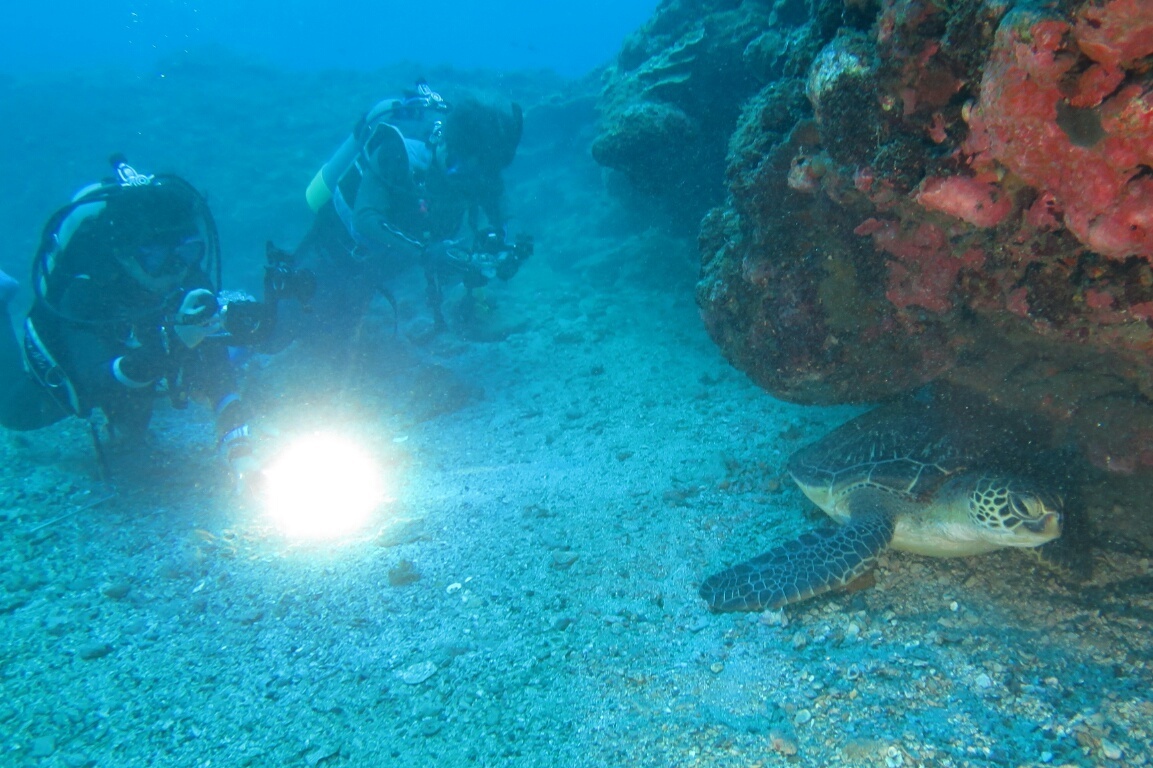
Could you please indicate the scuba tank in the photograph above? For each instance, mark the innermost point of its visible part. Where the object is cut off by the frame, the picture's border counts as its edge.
(413, 115)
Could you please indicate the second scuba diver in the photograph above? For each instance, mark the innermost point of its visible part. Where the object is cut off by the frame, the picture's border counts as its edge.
(398, 193)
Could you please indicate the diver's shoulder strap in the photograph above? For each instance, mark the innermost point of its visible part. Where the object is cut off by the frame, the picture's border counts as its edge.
(397, 166)
(42, 365)
(411, 117)
(376, 150)
(363, 164)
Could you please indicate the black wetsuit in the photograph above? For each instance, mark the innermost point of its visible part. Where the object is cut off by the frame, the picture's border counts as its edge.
(399, 205)
(98, 317)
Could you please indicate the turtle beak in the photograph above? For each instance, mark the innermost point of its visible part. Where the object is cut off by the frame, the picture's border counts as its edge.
(1047, 525)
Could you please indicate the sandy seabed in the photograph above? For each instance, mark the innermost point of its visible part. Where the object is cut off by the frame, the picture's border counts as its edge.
(528, 597)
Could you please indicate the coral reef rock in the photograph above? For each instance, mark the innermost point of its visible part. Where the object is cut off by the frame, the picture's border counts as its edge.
(671, 100)
(918, 191)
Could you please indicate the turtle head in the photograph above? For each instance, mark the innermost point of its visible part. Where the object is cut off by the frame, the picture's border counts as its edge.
(1015, 512)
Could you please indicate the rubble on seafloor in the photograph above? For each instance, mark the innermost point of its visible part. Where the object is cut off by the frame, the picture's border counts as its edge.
(922, 191)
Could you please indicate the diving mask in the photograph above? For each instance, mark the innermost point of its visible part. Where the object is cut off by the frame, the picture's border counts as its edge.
(157, 259)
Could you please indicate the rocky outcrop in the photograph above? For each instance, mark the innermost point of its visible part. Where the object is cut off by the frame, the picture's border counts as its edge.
(915, 193)
(672, 99)
(971, 201)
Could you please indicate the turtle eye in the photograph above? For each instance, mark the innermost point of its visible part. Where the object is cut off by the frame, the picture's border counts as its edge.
(1034, 512)
(1030, 507)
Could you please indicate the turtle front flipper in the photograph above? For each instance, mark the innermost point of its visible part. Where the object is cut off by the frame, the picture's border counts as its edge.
(816, 562)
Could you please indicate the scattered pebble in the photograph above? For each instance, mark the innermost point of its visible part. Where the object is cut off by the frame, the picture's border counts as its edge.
(783, 742)
(116, 590)
(803, 717)
(701, 623)
(562, 623)
(90, 651)
(984, 681)
(562, 560)
(320, 754)
(401, 532)
(42, 746)
(403, 574)
(11, 603)
(1111, 750)
(864, 751)
(251, 616)
(417, 673)
(774, 618)
(717, 667)
(471, 600)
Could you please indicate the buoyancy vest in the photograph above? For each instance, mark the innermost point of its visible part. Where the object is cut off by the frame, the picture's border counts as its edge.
(417, 115)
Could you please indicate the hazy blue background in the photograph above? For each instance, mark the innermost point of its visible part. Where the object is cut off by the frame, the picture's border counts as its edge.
(568, 37)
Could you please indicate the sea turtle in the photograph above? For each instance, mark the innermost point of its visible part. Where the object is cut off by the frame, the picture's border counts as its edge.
(915, 476)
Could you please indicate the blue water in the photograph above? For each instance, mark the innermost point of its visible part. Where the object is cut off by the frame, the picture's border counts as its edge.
(570, 38)
(92, 78)
(563, 464)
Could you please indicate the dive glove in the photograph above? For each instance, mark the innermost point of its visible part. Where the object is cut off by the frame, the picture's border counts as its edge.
(197, 318)
(146, 362)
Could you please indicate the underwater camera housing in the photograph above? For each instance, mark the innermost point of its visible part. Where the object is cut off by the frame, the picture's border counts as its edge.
(284, 280)
(248, 321)
(497, 258)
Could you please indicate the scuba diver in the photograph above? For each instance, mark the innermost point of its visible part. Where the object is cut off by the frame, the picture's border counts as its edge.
(397, 193)
(126, 307)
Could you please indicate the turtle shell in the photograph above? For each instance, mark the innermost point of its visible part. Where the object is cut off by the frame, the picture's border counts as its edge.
(908, 448)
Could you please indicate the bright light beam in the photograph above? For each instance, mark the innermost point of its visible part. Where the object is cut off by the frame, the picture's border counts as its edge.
(322, 486)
